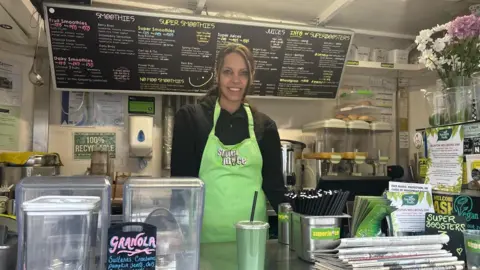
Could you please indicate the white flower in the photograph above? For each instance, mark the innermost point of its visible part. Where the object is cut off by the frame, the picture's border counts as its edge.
(429, 59)
(439, 45)
(426, 34)
(421, 47)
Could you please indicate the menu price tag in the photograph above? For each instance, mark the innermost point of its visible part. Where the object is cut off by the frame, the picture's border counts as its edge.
(451, 225)
(141, 105)
(132, 246)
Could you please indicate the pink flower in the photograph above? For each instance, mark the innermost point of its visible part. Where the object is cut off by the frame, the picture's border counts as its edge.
(465, 27)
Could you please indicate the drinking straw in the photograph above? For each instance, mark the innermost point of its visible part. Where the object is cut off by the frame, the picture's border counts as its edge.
(254, 205)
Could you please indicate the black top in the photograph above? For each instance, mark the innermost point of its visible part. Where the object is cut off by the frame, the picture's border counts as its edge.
(193, 124)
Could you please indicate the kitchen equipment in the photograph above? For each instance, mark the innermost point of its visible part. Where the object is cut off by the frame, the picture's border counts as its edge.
(379, 148)
(316, 233)
(33, 187)
(357, 144)
(59, 232)
(178, 201)
(284, 212)
(330, 142)
(8, 252)
(34, 77)
(291, 162)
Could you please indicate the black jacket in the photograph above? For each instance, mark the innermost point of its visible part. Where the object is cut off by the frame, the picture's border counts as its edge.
(193, 124)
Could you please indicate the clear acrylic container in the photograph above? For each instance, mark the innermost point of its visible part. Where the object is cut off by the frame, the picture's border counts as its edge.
(58, 231)
(331, 137)
(33, 187)
(380, 140)
(357, 139)
(175, 207)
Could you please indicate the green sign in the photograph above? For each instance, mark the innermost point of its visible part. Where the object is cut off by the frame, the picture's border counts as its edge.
(387, 65)
(473, 245)
(353, 63)
(423, 166)
(283, 217)
(141, 105)
(84, 143)
(325, 233)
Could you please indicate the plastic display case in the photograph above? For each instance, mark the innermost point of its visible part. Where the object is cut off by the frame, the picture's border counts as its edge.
(357, 139)
(380, 139)
(175, 207)
(331, 137)
(59, 231)
(34, 187)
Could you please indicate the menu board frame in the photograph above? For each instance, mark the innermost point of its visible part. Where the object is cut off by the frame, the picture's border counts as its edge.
(206, 19)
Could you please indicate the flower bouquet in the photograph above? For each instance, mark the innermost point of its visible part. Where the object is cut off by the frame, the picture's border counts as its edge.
(453, 51)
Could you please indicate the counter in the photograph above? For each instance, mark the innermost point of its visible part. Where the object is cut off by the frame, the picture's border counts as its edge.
(223, 256)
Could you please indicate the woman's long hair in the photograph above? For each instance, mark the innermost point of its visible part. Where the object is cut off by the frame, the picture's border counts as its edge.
(247, 56)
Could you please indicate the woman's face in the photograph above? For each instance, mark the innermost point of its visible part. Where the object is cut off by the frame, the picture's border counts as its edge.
(233, 77)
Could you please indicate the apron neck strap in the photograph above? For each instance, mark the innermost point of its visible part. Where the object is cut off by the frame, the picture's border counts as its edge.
(216, 114)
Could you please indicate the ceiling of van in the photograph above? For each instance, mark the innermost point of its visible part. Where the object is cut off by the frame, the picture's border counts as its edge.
(397, 18)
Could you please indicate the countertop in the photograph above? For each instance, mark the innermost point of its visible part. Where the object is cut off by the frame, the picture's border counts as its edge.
(223, 256)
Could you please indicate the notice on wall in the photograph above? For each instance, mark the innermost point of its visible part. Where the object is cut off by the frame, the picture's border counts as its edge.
(411, 209)
(460, 205)
(84, 143)
(445, 158)
(10, 83)
(9, 128)
(451, 225)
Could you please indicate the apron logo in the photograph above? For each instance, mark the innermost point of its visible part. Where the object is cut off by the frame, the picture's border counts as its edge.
(231, 158)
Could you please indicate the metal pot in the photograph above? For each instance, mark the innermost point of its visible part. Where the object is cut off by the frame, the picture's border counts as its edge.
(291, 162)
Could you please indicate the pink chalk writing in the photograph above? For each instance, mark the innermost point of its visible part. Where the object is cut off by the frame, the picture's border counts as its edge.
(131, 245)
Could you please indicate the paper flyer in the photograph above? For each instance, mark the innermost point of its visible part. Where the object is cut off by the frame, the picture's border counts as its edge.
(445, 158)
(10, 83)
(411, 209)
(9, 128)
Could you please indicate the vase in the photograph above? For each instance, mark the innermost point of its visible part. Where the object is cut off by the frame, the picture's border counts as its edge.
(459, 99)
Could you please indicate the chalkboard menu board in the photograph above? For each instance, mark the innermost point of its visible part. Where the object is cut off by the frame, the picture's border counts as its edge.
(111, 50)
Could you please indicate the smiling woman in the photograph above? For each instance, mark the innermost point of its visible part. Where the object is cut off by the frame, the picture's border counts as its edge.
(235, 150)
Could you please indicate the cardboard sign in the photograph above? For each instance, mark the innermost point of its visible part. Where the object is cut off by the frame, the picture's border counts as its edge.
(132, 246)
(453, 226)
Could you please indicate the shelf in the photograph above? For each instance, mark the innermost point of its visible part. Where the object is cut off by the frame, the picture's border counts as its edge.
(449, 125)
(360, 107)
(385, 66)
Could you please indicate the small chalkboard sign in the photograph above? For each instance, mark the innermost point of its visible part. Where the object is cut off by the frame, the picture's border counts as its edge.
(132, 246)
(451, 225)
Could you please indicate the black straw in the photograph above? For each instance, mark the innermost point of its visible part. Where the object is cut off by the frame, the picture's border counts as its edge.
(254, 205)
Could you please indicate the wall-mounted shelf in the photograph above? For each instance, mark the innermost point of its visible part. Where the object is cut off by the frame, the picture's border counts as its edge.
(382, 69)
(447, 125)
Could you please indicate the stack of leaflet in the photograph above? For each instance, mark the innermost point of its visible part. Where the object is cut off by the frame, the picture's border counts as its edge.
(386, 253)
(368, 213)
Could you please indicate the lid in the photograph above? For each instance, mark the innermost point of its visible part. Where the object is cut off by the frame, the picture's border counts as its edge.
(381, 126)
(292, 142)
(358, 124)
(330, 123)
(61, 203)
(255, 225)
(284, 207)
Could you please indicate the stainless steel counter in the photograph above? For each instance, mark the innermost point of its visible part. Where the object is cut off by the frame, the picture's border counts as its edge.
(223, 256)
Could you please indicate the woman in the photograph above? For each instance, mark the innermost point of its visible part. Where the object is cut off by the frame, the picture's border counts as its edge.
(233, 148)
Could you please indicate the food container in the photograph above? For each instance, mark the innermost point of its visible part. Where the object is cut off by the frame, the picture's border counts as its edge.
(380, 140)
(378, 55)
(460, 103)
(315, 233)
(59, 231)
(331, 137)
(33, 187)
(398, 56)
(284, 213)
(357, 139)
(363, 53)
(175, 207)
(354, 98)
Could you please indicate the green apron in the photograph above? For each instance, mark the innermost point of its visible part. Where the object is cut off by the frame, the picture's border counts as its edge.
(232, 174)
